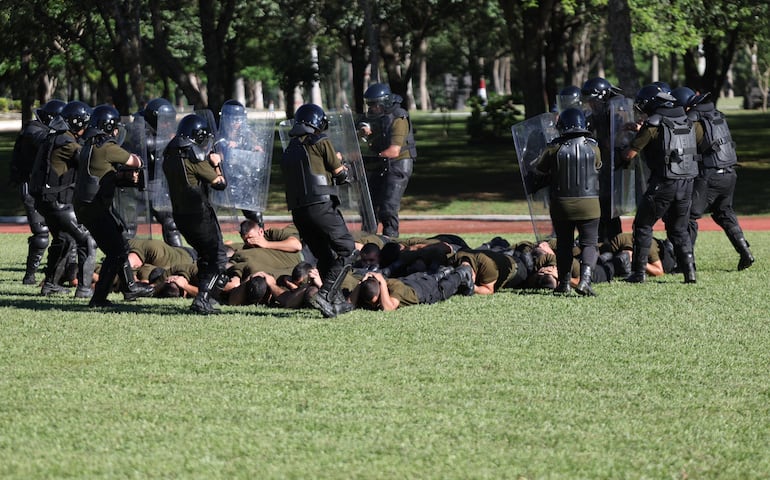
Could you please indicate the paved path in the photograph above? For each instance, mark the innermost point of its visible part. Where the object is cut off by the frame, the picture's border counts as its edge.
(457, 224)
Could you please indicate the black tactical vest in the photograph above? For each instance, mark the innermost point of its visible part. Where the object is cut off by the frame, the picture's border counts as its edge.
(678, 144)
(577, 169)
(303, 187)
(719, 147)
(381, 129)
(44, 183)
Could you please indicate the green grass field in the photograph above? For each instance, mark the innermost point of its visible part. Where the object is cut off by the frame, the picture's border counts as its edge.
(660, 380)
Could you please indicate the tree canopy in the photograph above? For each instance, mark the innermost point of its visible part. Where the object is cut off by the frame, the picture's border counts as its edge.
(126, 52)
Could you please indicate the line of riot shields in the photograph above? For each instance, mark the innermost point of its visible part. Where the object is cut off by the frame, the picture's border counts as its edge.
(625, 185)
(246, 145)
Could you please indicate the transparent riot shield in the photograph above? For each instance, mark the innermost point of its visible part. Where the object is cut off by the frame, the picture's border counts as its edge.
(624, 180)
(531, 138)
(246, 145)
(355, 200)
(158, 186)
(133, 204)
(208, 115)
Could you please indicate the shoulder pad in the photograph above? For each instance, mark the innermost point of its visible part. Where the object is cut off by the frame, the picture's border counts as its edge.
(312, 139)
(180, 142)
(63, 139)
(654, 120)
(400, 113)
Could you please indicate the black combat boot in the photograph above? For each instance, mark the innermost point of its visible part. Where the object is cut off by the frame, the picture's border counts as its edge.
(103, 286)
(205, 302)
(742, 247)
(584, 285)
(330, 303)
(34, 257)
(130, 287)
(329, 300)
(563, 288)
(688, 267)
(467, 285)
(639, 266)
(622, 263)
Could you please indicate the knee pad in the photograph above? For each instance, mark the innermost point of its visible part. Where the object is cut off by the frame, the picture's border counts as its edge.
(38, 241)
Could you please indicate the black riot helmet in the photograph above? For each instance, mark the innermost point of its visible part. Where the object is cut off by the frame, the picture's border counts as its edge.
(568, 97)
(684, 96)
(664, 87)
(379, 94)
(194, 128)
(105, 118)
(76, 114)
(599, 88)
(233, 108)
(50, 110)
(572, 120)
(311, 115)
(154, 107)
(651, 97)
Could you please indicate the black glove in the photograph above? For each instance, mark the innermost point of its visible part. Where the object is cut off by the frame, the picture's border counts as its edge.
(342, 177)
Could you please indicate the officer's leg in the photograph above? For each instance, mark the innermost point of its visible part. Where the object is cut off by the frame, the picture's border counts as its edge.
(589, 253)
(679, 213)
(85, 246)
(698, 207)
(395, 183)
(565, 233)
(646, 216)
(334, 248)
(37, 242)
(723, 214)
(57, 251)
(206, 238)
(170, 231)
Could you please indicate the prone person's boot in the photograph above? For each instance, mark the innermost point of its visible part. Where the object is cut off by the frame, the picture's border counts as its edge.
(130, 287)
(584, 285)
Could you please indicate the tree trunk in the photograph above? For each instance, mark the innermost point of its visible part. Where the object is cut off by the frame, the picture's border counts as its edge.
(527, 29)
(619, 27)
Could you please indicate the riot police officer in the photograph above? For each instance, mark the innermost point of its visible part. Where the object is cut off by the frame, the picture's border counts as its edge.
(52, 184)
(27, 147)
(191, 169)
(571, 164)
(714, 186)
(569, 97)
(312, 170)
(669, 141)
(103, 166)
(596, 93)
(155, 110)
(390, 139)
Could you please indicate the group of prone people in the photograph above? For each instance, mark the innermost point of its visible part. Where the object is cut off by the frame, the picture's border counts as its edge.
(272, 267)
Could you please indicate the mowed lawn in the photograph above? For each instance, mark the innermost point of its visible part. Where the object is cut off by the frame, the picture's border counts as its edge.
(660, 380)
